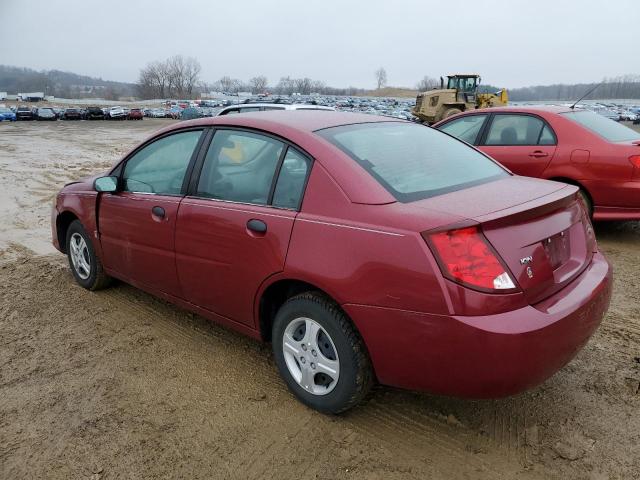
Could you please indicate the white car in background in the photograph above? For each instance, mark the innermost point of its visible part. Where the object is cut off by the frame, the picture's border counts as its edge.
(261, 107)
(117, 112)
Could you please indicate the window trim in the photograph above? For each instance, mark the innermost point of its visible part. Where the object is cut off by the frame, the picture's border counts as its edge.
(118, 170)
(192, 188)
(483, 138)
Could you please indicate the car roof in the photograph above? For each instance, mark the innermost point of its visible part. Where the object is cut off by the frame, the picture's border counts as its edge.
(278, 121)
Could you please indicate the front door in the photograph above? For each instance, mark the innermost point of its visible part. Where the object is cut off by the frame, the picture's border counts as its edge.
(137, 223)
(524, 144)
(233, 232)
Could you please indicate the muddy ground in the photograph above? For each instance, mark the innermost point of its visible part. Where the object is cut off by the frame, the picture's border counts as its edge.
(117, 384)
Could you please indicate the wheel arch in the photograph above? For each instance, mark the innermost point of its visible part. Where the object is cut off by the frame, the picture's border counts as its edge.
(63, 220)
(273, 296)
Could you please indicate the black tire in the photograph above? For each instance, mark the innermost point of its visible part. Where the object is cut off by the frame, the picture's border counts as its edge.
(96, 279)
(355, 372)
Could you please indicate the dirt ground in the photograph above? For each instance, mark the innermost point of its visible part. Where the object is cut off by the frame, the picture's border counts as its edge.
(118, 384)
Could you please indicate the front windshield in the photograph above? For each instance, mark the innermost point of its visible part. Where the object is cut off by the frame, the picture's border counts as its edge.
(605, 127)
(466, 84)
(5, 110)
(412, 161)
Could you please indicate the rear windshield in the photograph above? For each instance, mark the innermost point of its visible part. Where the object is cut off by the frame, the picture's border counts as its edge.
(413, 161)
(603, 126)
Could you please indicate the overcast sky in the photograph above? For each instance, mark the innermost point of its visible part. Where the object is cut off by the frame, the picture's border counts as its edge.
(510, 43)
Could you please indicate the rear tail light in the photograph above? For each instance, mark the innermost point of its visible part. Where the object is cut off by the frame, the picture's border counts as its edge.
(466, 257)
(635, 160)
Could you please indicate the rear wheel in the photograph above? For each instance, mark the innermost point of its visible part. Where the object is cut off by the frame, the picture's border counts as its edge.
(320, 354)
(85, 265)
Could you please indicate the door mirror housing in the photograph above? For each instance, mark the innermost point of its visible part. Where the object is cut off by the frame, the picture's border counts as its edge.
(106, 184)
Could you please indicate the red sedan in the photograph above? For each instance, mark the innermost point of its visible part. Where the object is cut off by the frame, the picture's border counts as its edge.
(579, 147)
(363, 248)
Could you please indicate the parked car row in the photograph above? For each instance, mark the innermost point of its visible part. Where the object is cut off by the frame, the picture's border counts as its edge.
(24, 113)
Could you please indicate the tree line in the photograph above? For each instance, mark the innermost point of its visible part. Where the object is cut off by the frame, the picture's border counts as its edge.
(627, 86)
(179, 77)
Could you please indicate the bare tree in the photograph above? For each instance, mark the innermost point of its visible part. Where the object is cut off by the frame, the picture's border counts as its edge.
(258, 84)
(226, 83)
(381, 77)
(303, 85)
(427, 83)
(177, 76)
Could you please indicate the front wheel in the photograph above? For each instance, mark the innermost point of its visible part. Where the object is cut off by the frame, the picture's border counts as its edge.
(85, 264)
(320, 354)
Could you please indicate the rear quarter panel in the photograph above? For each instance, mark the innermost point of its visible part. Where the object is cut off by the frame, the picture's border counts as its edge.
(357, 257)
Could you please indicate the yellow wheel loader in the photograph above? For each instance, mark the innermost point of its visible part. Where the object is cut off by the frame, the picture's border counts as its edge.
(460, 95)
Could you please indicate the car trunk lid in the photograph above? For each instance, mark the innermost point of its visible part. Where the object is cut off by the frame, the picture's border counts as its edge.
(538, 228)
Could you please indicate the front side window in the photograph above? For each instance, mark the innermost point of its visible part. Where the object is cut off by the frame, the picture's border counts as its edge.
(161, 166)
(411, 161)
(465, 128)
(515, 130)
(240, 167)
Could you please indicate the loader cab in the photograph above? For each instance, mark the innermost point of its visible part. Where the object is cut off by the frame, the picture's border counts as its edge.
(463, 83)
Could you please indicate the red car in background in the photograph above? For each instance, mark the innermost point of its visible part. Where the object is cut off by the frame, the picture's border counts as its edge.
(580, 147)
(363, 248)
(135, 114)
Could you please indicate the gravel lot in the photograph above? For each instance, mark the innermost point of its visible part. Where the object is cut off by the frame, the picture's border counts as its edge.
(118, 384)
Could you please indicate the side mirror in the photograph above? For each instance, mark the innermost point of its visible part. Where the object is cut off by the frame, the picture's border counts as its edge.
(106, 184)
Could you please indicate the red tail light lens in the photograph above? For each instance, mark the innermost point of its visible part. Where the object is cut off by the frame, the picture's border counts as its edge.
(635, 160)
(467, 258)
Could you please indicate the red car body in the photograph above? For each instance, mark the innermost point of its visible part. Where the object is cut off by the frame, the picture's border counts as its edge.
(135, 114)
(608, 171)
(372, 254)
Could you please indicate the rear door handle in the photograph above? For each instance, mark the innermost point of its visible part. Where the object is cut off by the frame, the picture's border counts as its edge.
(257, 226)
(158, 211)
(538, 154)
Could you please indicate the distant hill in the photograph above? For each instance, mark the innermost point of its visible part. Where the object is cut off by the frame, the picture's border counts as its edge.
(61, 84)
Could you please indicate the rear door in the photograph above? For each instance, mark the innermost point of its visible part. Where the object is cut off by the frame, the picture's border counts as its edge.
(523, 143)
(234, 227)
(137, 224)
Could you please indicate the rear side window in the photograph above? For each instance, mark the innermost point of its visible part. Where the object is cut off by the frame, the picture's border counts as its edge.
(605, 127)
(465, 128)
(160, 167)
(240, 167)
(516, 130)
(291, 180)
(412, 161)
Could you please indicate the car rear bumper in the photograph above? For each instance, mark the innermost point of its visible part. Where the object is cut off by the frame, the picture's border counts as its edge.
(485, 356)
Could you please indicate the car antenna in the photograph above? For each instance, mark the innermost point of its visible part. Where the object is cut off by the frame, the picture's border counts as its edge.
(583, 96)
